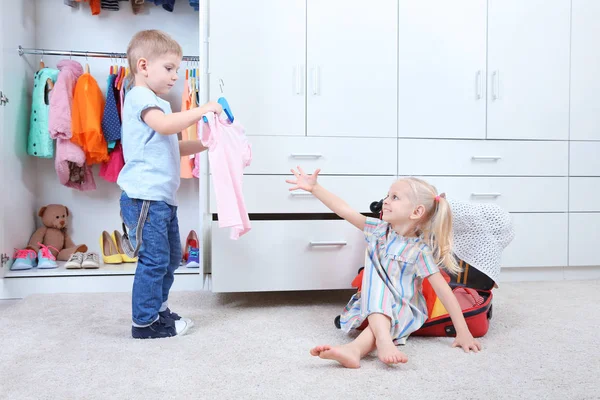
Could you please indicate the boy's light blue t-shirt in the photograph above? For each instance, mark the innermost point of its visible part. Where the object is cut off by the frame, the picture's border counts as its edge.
(152, 163)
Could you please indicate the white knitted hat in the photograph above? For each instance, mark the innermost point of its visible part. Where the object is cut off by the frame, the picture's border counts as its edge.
(481, 232)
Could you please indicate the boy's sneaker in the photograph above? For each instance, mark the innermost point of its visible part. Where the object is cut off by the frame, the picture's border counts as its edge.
(46, 259)
(168, 314)
(193, 260)
(162, 328)
(74, 261)
(24, 259)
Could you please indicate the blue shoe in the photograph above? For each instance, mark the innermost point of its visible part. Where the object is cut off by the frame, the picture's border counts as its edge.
(24, 259)
(46, 259)
(168, 314)
(162, 328)
(193, 260)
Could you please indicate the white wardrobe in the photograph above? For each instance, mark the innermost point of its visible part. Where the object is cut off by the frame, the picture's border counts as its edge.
(490, 100)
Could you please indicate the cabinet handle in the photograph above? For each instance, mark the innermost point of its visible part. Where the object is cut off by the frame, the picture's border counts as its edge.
(332, 243)
(496, 85)
(486, 194)
(300, 155)
(492, 158)
(298, 79)
(301, 194)
(316, 81)
(478, 85)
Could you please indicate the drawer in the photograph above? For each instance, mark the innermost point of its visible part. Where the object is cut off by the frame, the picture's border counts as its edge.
(521, 194)
(540, 241)
(287, 255)
(584, 237)
(584, 194)
(335, 156)
(482, 157)
(585, 159)
(270, 194)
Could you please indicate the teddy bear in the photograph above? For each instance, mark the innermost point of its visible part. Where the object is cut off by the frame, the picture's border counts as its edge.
(54, 233)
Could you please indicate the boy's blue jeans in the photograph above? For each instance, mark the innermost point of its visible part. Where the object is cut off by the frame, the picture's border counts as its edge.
(158, 258)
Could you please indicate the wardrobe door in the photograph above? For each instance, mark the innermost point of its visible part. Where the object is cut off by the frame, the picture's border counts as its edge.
(257, 51)
(528, 69)
(352, 68)
(442, 69)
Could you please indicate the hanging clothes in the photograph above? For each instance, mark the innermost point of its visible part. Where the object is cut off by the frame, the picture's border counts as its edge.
(229, 152)
(111, 121)
(187, 163)
(110, 5)
(111, 169)
(168, 5)
(59, 121)
(39, 143)
(195, 4)
(71, 3)
(88, 108)
(136, 6)
(71, 166)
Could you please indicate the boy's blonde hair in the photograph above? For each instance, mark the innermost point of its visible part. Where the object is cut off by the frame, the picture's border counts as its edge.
(150, 44)
(436, 224)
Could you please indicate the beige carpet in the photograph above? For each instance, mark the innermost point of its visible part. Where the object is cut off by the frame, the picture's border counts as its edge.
(542, 344)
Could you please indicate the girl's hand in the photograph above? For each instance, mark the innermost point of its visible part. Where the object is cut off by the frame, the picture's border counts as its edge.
(303, 181)
(467, 342)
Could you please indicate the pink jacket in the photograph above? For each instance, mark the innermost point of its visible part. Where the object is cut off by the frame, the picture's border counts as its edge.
(229, 152)
(59, 124)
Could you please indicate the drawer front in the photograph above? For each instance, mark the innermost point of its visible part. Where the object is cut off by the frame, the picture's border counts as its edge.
(270, 194)
(521, 194)
(584, 194)
(584, 236)
(287, 255)
(482, 157)
(335, 156)
(585, 159)
(540, 241)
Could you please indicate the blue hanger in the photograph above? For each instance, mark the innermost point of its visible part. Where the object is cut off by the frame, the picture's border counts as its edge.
(223, 102)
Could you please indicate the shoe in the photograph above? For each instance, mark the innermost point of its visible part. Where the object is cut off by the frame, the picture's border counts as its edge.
(24, 259)
(162, 328)
(90, 261)
(192, 241)
(168, 314)
(110, 255)
(193, 258)
(74, 261)
(118, 240)
(46, 259)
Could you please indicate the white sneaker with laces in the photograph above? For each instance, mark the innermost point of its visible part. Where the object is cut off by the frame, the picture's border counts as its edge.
(74, 261)
(183, 325)
(91, 261)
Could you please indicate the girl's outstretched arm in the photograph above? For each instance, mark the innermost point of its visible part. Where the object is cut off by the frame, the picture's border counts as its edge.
(464, 338)
(334, 203)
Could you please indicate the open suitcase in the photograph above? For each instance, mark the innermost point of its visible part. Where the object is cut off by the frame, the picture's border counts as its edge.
(469, 283)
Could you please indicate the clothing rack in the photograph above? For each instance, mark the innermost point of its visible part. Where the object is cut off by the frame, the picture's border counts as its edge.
(86, 54)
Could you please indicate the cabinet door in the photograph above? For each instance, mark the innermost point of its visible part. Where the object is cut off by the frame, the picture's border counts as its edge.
(585, 64)
(442, 69)
(258, 49)
(352, 68)
(584, 235)
(528, 69)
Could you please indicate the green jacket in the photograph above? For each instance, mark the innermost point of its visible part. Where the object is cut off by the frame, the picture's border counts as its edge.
(39, 143)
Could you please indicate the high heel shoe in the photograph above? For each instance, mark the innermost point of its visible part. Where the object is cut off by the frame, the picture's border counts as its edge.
(110, 255)
(191, 253)
(118, 240)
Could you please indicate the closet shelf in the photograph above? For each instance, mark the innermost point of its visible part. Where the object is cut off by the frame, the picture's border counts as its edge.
(87, 54)
(104, 270)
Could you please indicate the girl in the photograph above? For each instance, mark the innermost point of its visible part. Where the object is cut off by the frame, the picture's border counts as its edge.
(408, 245)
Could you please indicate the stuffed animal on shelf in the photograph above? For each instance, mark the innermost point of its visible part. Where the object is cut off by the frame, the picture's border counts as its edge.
(54, 234)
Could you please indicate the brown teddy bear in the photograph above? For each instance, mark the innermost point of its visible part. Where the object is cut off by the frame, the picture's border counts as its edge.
(54, 233)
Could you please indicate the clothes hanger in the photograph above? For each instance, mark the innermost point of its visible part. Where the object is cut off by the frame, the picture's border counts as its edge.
(223, 102)
(87, 65)
(49, 83)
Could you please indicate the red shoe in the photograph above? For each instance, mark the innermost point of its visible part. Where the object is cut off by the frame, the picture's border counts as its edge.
(192, 241)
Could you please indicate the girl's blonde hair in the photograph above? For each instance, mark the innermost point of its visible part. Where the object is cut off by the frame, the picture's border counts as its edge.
(436, 224)
(150, 44)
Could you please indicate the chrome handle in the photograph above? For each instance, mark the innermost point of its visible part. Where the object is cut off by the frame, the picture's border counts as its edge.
(316, 81)
(301, 194)
(493, 158)
(298, 81)
(307, 155)
(486, 194)
(3, 99)
(478, 85)
(496, 85)
(326, 243)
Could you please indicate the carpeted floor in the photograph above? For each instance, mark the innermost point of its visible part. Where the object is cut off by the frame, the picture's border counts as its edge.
(542, 344)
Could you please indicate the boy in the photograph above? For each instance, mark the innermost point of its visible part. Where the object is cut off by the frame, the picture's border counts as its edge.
(150, 179)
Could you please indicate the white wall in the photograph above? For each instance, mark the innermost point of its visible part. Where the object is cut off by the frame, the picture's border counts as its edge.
(111, 31)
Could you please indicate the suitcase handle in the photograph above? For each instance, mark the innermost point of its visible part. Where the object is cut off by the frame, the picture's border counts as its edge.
(450, 331)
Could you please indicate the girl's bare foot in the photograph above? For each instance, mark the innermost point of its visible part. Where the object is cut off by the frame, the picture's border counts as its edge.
(389, 353)
(346, 355)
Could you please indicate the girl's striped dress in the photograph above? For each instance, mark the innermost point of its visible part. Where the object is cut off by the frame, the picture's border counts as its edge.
(394, 270)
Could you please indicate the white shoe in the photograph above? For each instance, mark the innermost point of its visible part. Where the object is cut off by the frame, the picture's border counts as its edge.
(74, 261)
(183, 325)
(90, 260)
